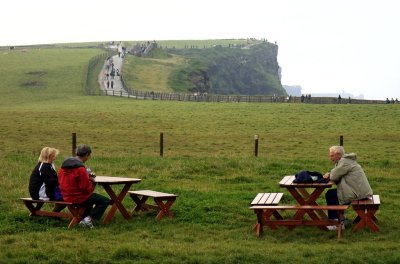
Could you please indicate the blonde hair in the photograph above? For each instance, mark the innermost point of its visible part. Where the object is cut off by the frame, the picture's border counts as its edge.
(46, 153)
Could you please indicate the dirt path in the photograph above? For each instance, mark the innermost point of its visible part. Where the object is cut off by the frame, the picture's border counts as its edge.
(113, 64)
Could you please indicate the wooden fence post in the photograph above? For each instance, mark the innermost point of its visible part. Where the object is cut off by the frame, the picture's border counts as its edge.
(256, 145)
(161, 144)
(73, 144)
(341, 140)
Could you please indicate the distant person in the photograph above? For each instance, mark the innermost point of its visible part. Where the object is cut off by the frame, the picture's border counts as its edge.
(352, 183)
(112, 74)
(339, 99)
(77, 186)
(43, 182)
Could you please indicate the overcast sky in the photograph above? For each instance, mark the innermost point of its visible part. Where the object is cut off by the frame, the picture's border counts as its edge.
(326, 46)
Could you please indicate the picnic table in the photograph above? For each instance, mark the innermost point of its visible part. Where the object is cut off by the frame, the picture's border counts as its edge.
(306, 194)
(116, 200)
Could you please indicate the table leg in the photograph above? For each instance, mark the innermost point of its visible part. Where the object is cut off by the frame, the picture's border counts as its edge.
(116, 202)
(304, 198)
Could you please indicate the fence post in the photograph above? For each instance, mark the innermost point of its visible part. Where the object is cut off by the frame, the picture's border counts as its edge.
(341, 140)
(256, 145)
(73, 144)
(161, 144)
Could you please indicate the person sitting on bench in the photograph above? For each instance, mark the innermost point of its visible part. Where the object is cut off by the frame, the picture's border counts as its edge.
(348, 175)
(43, 182)
(77, 187)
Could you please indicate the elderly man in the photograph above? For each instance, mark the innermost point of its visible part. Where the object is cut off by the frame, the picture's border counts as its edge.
(352, 183)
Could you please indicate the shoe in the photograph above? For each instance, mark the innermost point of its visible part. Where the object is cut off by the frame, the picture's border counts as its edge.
(86, 222)
(334, 227)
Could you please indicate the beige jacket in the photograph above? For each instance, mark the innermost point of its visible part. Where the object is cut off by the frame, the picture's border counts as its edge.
(352, 183)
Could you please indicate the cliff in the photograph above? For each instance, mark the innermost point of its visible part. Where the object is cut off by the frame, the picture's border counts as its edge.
(245, 70)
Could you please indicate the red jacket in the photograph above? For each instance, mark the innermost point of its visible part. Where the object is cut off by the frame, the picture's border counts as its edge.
(74, 181)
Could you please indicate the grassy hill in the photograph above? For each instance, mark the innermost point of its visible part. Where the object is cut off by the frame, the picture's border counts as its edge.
(208, 161)
(248, 67)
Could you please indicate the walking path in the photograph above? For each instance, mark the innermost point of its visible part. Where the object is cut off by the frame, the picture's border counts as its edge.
(112, 65)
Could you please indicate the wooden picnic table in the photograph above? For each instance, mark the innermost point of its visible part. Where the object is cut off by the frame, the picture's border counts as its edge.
(116, 200)
(306, 194)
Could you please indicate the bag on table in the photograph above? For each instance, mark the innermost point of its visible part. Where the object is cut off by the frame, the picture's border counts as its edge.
(309, 176)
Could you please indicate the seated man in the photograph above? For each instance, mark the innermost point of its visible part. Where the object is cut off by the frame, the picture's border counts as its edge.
(352, 183)
(77, 187)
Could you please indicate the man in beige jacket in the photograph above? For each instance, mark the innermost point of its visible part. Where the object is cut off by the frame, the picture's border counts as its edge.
(352, 183)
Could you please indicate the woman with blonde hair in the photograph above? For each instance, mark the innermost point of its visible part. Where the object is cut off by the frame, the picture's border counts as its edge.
(43, 183)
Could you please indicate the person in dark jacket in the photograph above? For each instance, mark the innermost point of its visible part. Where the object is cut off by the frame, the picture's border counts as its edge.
(77, 186)
(43, 182)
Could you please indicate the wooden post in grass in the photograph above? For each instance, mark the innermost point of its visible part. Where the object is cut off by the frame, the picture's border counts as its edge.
(256, 145)
(73, 144)
(161, 144)
(341, 140)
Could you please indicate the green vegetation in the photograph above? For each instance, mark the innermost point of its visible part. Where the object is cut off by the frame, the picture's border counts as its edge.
(208, 161)
(232, 67)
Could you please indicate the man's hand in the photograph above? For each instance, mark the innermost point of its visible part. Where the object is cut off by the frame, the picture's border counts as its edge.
(327, 175)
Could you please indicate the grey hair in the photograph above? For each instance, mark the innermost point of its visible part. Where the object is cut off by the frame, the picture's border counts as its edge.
(83, 150)
(337, 149)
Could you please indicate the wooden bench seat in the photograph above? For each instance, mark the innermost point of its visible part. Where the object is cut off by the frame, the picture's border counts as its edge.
(265, 212)
(74, 211)
(163, 202)
(366, 210)
(267, 199)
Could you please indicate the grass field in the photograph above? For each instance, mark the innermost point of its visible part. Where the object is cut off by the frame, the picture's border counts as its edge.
(208, 161)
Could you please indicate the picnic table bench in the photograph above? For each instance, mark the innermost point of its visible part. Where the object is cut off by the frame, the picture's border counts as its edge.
(266, 206)
(163, 202)
(366, 210)
(74, 211)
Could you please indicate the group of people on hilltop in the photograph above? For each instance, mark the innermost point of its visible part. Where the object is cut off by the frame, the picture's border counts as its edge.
(392, 101)
(73, 183)
(305, 98)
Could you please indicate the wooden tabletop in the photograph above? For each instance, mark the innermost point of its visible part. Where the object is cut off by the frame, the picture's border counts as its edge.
(115, 180)
(287, 181)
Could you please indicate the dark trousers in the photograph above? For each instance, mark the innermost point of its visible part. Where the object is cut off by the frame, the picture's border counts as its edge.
(332, 199)
(100, 204)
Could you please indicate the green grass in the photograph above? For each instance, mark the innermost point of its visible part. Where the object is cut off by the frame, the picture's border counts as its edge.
(208, 161)
(150, 74)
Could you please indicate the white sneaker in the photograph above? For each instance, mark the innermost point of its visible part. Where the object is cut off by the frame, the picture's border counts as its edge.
(334, 227)
(86, 222)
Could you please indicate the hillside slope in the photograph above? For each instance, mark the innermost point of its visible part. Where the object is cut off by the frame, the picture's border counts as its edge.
(234, 69)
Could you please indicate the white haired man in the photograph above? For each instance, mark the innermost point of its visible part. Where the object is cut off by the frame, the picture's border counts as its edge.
(352, 183)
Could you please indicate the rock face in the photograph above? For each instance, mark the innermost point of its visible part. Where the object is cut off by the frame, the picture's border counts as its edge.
(244, 70)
